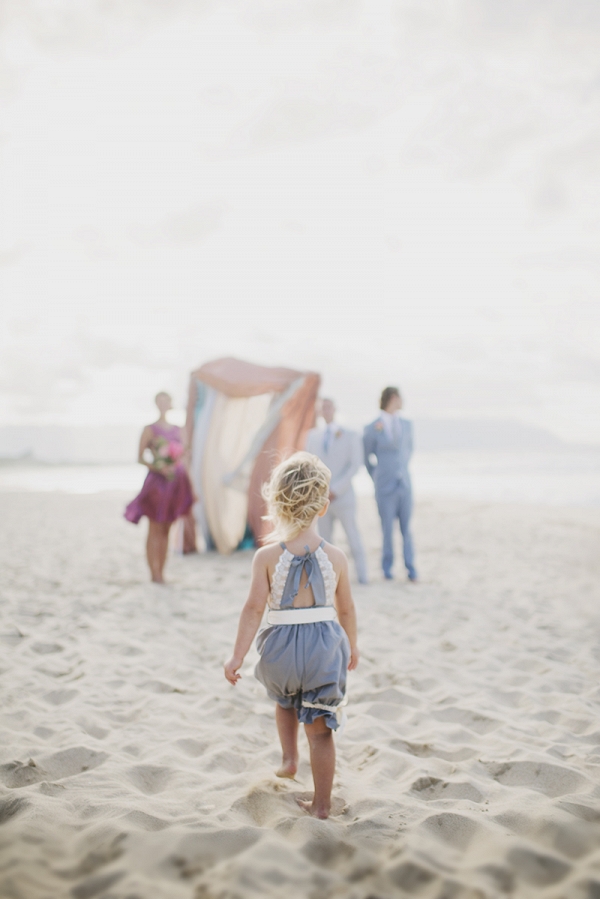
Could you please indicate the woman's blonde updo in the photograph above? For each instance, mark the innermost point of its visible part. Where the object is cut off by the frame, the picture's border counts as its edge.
(295, 493)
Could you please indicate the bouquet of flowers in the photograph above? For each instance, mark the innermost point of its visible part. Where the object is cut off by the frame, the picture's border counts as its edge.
(167, 453)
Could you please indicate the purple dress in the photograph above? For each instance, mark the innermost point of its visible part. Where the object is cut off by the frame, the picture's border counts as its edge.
(162, 499)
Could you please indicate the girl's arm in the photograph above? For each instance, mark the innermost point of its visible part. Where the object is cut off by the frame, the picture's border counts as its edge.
(187, 447)
(344, 605)
(250, 618)
(145, 441)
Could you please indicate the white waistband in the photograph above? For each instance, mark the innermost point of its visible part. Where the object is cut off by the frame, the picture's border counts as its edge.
(301, 616)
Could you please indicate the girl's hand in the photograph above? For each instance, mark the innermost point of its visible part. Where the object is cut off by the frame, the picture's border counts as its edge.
(354, 657)
(231, 668)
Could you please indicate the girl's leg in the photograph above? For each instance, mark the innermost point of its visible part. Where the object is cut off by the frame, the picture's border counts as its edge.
(287, 728)
(322, 762)
(156, 548)
(151, 546)
(163, 548)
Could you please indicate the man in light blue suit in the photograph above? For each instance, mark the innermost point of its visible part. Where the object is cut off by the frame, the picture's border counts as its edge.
(388, 445)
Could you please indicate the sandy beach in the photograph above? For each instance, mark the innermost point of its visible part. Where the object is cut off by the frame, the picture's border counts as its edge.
(469, 767)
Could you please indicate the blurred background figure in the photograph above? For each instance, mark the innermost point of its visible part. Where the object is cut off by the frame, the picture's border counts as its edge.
(388, 445)
(341, 450)
(167, 493)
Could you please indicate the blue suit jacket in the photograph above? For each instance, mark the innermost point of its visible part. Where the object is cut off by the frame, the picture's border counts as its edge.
(392, 456)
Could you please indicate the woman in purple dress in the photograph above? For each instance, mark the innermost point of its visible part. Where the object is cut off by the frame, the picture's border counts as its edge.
(167, 492)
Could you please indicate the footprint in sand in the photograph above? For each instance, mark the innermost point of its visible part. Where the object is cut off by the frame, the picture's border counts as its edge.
(46, 648)
(328, 853)
(95, 885)
(411, 877)
(69, 762)
(149, 779)
(426, 750)
(270, 868)
(389, 695)
(552, 780)
(104, 852)
(384, 711)
(570, 838)
(232, 762)
(158, 686)
(11, 807)
(197, 851)
(585, 812)
(60, 697)
(455, 830)
(354, 863)
(43, 732)
(145, 821)
(66, 763)
(502, 877)
(130, 651)
(99, 733)
(474, 721)
(266, 803)
(585, 889)
(192, 747)
(51, 789)
(432, 788)
(536, 868)
(16, 774)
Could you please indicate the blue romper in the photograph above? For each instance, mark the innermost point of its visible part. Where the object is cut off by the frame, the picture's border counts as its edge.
(304, 666)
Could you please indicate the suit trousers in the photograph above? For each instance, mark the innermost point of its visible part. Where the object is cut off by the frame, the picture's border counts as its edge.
(343, 509)
(397, 504)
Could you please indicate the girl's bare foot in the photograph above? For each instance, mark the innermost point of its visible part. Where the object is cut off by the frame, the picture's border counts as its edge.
(322, 812)
(315, 811)
(288, 768)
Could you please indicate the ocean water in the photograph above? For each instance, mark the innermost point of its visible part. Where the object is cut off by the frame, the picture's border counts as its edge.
(548, 478)
(32, 478)
(561, 478)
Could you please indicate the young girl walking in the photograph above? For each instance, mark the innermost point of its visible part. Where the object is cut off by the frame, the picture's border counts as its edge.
(310, 639)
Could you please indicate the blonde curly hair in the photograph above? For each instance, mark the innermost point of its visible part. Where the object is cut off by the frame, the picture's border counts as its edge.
(295, 493)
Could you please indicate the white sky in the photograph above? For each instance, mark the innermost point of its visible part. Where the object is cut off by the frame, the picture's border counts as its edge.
(386, 192)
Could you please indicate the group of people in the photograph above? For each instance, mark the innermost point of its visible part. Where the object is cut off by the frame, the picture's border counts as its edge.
(310, 639)
(385, 449)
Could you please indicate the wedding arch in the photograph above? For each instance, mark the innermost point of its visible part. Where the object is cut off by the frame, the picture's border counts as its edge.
(242, 419)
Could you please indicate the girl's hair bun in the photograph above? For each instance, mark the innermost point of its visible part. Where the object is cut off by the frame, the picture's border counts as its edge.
(295, 493)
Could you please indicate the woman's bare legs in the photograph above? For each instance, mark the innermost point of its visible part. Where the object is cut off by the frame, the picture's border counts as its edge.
(157, 546)
(322, 762)
(287, 728)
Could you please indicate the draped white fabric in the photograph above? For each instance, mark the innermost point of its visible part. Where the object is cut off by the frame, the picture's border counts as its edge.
(234, 423)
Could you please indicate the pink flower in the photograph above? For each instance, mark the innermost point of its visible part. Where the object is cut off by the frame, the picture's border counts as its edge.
(175, 450)
(167, 454)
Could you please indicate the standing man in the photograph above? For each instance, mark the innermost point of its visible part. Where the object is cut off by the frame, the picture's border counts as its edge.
(341, 451)
(389, 440)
